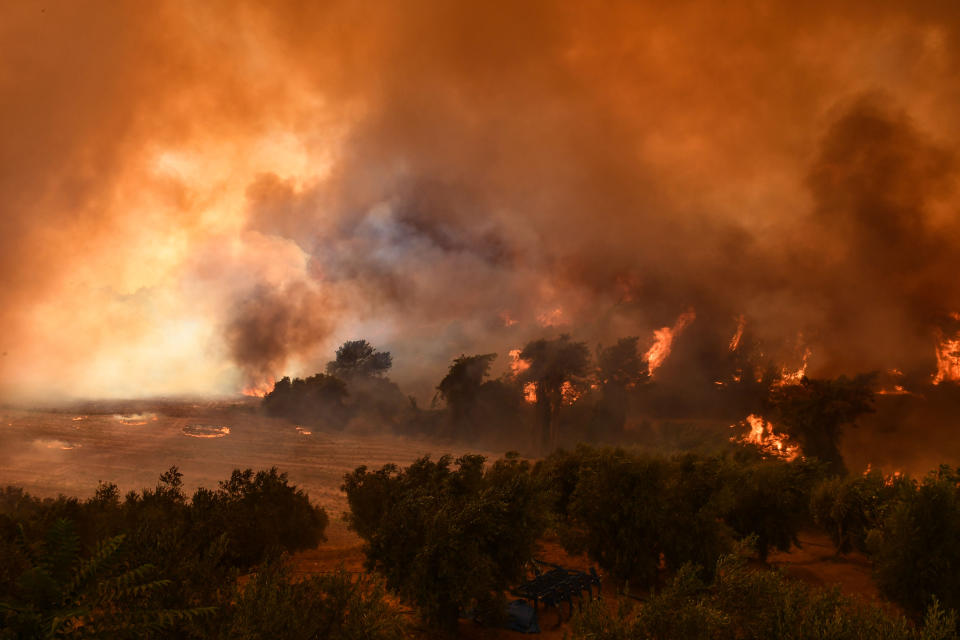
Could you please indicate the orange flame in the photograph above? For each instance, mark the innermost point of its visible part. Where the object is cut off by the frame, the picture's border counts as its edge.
(517, 365)
(552, 318)
(569, 393)
(738, 334)
(663, 341)
(948, 360)
(788, 377)
(530, 392)
(761, 434)
(258, 390)
(507, 319)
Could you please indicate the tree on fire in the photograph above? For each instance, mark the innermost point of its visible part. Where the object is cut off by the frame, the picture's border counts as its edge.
(815, 412)
(552, 363)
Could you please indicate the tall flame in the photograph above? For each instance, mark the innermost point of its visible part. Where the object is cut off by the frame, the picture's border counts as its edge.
(663, 341)
(948, 360)
(738, 334)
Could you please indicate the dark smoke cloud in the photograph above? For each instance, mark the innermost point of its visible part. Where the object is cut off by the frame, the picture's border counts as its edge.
(446, 178)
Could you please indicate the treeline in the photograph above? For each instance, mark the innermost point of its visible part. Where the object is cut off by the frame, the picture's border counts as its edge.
(160, 564)
(452, 536)
(557, 391)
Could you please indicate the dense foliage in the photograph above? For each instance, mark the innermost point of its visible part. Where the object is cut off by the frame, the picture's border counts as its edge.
(448, 534)
(916, 548)
(754, 605)
(635, 514)
(75, 566)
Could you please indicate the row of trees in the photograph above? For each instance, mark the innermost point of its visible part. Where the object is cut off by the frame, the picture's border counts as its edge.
(159, 564)
(454, 535)
(578, 395)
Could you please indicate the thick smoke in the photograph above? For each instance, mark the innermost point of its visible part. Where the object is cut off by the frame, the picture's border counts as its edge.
(446, 178)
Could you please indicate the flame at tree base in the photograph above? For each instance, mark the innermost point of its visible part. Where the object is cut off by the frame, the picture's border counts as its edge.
(762, 435)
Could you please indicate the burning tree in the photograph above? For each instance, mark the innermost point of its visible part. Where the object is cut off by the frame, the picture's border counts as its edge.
(552, 365)
(814, 413)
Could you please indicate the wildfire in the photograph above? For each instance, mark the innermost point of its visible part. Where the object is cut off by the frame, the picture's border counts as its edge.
(788, 377)
(948, 360)
(507, 319)
(530, 392)
(517, 364)
(663, 341)
(551, 318)
(762, 435)
(896, 389)
(258, 390)
(738, 334)
(135, 419)
(205, 431)
(569, 393)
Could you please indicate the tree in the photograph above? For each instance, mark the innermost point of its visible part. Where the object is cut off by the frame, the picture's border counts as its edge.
(447, 534)
(317, 400)
(848, 508)
(815, 412)
(620, 368)
(461, 387)
(358, 359)
(552, 363)
(770, 500)
(916, 550)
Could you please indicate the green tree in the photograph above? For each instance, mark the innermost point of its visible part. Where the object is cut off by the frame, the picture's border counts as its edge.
(61, 595)
(848, 508)
(447, 534)
(916, 550)
(461, 390)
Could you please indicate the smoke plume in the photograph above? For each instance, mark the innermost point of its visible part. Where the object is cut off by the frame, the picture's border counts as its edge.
(199, 198)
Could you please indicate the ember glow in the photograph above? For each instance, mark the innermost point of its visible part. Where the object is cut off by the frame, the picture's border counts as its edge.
(761, 433)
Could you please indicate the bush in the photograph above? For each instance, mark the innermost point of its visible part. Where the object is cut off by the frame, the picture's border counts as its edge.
(770, 500)
(753, 605)
(916, 551)
(848, 508)
(273, 605)
(447, 534)
(629, 511)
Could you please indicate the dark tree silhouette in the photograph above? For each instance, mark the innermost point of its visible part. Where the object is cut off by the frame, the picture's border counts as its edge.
(620, 368)
(815, 412)
(358, 359)
(461, 390)
(553, 362)
(316, 400)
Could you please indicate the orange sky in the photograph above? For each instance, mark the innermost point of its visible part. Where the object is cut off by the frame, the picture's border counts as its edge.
(199, 196)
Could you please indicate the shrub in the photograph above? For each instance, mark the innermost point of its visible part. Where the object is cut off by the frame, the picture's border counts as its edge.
(848, 508)
(333, 607)
(753, 605)
(447, 534)
(916, 551)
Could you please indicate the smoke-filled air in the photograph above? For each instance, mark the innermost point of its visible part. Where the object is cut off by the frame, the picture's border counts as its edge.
(199, 198)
